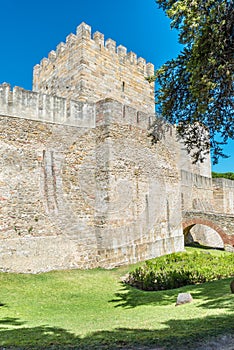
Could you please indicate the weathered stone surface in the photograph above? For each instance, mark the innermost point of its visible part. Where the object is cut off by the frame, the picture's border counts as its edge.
(104, 72)
(184, 298)
(104, 194)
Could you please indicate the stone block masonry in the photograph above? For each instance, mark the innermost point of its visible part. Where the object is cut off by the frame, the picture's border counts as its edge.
(224, 195)
(91, 69)
(78, 197)
(31, 105)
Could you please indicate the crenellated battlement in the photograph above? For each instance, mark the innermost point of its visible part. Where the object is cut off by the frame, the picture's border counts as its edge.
(89, 68)
(31, 105)
(20, 103)
(84, 33)
(195, 180)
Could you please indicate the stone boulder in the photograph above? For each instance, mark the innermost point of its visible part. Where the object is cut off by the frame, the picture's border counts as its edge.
(184, 298)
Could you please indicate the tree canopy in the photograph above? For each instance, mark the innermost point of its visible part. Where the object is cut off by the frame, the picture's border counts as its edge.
(196, 90)
(229, 175)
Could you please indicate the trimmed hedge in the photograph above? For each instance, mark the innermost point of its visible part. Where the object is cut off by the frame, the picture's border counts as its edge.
(181, 269)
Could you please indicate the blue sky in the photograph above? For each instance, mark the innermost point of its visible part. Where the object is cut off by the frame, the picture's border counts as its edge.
(30, 29)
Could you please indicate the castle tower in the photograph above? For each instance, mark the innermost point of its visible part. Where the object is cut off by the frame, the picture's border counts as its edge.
(90, 69)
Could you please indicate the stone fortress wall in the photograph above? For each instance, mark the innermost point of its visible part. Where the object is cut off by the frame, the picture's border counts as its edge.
(81, 185)
(86, 197)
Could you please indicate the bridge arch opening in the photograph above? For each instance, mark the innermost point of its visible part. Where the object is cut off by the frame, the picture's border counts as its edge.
(205, 233)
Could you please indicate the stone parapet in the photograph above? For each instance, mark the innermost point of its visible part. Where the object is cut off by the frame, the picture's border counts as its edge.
(221, 182)
(191, 179)
(31, 105)
(89, 68)
(83, 32)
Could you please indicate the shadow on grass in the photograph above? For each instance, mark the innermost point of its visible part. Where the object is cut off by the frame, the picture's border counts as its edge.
(176, 334)
(216, 294)
(130, 297)
(10, 321)
(202, 247)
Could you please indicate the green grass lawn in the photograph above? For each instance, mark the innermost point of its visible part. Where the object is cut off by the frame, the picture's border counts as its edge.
(94, 310)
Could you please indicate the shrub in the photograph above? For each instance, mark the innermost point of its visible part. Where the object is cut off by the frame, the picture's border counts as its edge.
(181, 269)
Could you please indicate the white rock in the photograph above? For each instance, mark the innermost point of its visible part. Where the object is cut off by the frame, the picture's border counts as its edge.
(184, 298)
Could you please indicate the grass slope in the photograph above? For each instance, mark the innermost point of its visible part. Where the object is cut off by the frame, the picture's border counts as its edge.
(94, 310)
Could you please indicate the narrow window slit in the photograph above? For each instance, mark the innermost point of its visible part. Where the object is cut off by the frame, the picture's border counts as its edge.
(124, 111)
(138, 117)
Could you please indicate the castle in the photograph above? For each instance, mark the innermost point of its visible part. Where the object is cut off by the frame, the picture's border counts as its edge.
(81, 185)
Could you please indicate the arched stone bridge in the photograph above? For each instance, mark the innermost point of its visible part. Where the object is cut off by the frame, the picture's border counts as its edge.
(223, 224)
